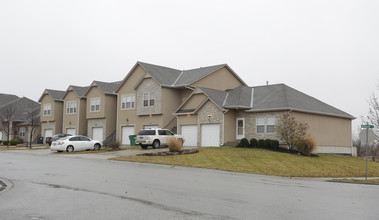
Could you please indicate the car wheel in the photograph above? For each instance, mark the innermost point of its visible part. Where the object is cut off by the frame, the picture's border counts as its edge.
(70, 149)
(143, 146)
(97, 147)
(156, 144)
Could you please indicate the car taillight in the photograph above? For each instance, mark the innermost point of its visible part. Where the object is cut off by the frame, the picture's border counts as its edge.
(60, 142)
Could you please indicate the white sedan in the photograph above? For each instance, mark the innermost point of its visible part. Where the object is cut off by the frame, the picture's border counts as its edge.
(75, 143)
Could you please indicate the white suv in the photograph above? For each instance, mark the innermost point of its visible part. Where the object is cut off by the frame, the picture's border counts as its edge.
(155, 137)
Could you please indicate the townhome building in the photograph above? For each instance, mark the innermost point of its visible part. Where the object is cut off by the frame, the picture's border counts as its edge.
(102, 110)
(149, 94)
(212, 117)
(51, 112)
(75, 109)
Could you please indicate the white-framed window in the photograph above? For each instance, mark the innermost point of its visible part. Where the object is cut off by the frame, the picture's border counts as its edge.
(22, 132)
(265, 124)
(128, 101)
(71, 107)
(148, 99)
(260, 121)
(270, 124)
(47, 109)
(95, 104)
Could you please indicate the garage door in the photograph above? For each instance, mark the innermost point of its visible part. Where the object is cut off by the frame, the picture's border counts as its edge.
(125, 132)
(48, 133)
(97, 134)
(150, 126)
(189, 133)
(71, 131)
(210, 135)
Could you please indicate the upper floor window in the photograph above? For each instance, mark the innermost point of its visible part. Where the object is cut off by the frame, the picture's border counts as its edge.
(128, 101)
(71, 107)
(260, 125)
(46, 109)
(148, 99)
(95, 104)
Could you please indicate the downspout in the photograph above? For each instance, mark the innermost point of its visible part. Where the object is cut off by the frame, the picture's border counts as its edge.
(78, 123)
(117, 123)
(223, 128)
(64, 113)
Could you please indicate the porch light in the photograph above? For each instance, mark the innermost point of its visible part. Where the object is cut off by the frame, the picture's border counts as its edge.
(150, 116)
(188, 115)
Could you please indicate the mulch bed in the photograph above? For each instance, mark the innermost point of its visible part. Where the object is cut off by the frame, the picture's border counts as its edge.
(284, 150)
(167, 153)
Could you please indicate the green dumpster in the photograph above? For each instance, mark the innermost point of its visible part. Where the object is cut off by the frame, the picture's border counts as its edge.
(132, 139)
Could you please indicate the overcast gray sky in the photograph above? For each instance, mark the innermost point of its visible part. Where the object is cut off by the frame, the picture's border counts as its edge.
(328, 49)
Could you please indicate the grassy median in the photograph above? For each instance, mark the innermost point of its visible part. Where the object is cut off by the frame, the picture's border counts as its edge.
(266, 162)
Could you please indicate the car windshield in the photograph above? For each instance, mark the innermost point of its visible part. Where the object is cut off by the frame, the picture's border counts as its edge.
(146, 132)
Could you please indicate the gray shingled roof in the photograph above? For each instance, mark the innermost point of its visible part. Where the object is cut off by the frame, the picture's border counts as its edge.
(173, 77)
(239, 97)
(21, 107)
(190, 76)
(80, 91)
(108, 88)
(164, 75)
(7, 98)
(57, 95)
(271, 98)
(217, 96)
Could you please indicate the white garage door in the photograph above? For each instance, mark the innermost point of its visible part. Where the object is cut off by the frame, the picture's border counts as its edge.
(189, 133)
(48, 133)
(97, 134)
(210, 135)
(150, 126)
(71, 131)
(126, 131)
(1, 135)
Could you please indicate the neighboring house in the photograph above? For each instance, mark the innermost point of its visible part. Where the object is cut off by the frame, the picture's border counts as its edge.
(102, 110)
(18, 117)
(74, 111)
(51, 112)
(149, 94)
(212, 117)
(4, 100)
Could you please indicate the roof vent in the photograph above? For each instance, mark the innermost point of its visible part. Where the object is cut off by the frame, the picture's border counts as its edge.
(266, 83)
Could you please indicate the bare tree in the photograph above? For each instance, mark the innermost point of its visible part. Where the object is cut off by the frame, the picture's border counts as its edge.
(32, 122)
(7, 115)
(290, 130)
(373, 119)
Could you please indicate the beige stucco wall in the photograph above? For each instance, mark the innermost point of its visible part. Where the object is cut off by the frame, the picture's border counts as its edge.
(222, 79)
(194, 101)
(56, 115)
(230, 126)
(170, 102)
(128, 117)
(95, 92)
(326, 130)
(77, 120)
(110, 114)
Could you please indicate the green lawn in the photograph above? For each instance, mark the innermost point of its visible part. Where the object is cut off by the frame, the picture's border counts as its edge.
(260, 161)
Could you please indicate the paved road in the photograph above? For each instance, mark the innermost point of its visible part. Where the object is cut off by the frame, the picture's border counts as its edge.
(43, 186)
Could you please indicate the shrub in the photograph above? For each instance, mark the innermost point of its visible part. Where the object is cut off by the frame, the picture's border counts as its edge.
(305, 144)
(253, 142)
(113, 145)
(261, 143)
(175, 145)
(15, 142)
(275, 143)
(5, 142)
(1, 141)
(268, 143)
(244, 142)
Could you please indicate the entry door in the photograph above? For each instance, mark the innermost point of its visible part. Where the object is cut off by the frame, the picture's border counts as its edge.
(240, 128)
